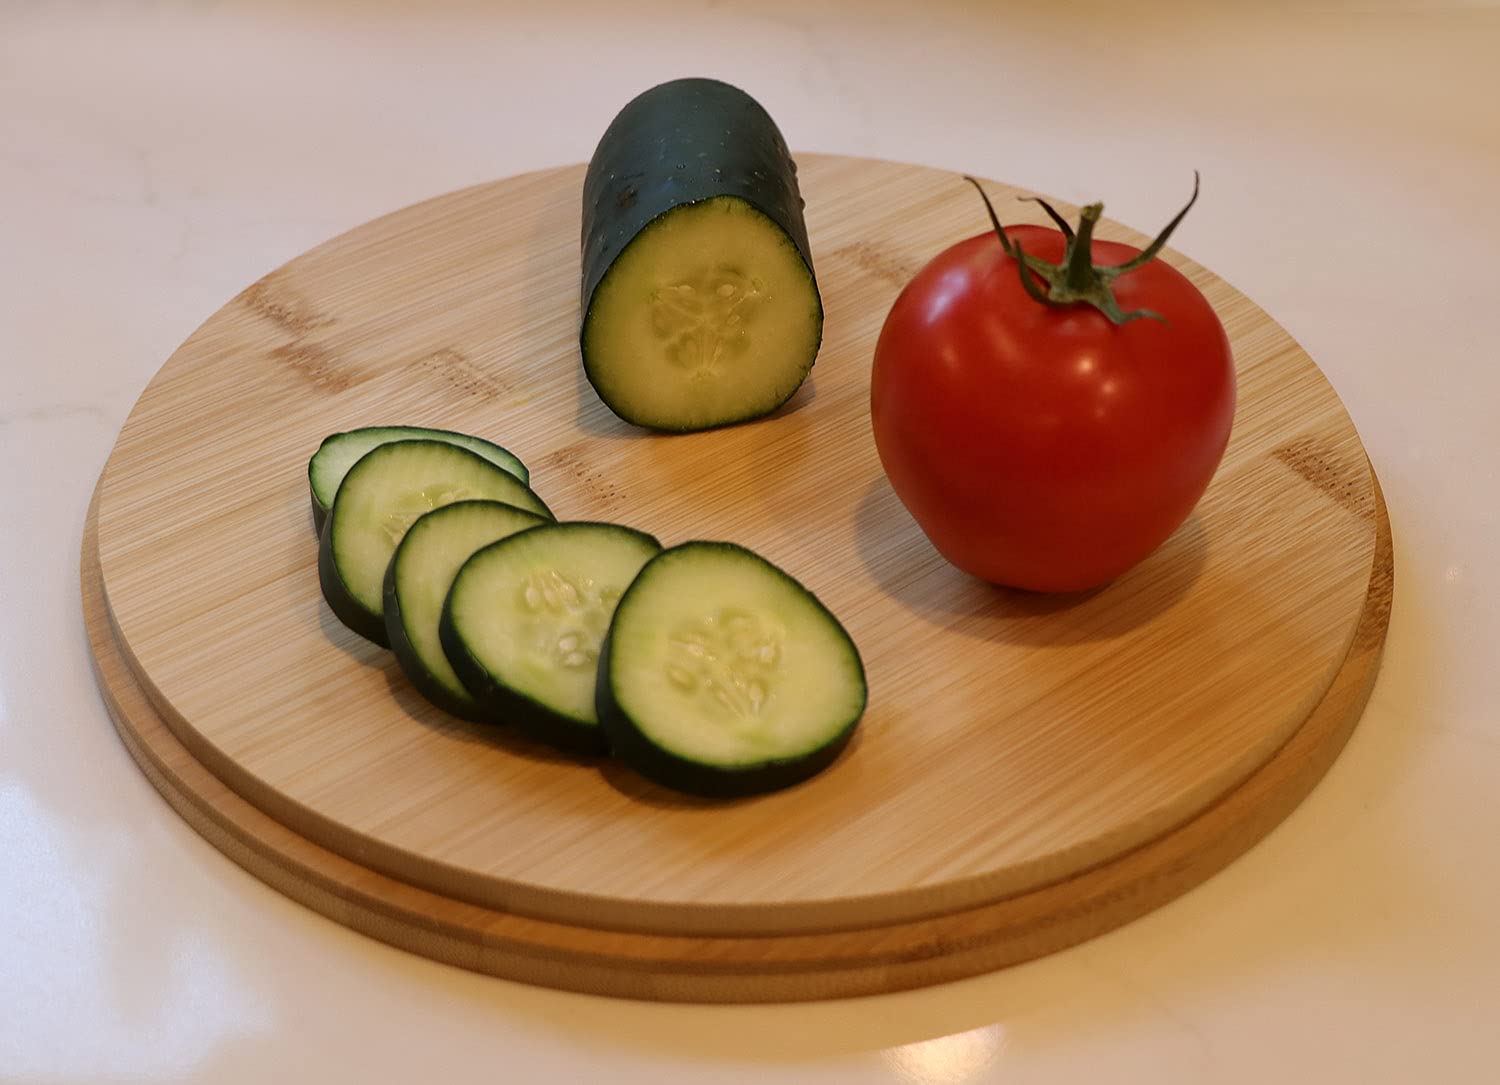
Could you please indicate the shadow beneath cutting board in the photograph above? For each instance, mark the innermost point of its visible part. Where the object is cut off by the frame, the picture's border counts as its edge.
(907, 567)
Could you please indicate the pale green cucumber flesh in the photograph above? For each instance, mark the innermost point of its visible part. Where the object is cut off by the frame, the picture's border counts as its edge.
(725, 675)
(382, 495)
(417, 581)
(525, 618)
(341, 451)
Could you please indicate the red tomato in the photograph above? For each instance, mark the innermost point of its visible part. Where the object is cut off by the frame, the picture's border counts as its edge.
(1045, 447)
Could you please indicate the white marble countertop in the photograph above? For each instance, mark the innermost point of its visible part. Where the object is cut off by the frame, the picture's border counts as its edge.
(156, 157)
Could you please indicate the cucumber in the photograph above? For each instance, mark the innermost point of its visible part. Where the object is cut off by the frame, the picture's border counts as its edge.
(340, 451)
(700, 306)
(379, 499)
(524, 620)
(723, 676)
(417, 581)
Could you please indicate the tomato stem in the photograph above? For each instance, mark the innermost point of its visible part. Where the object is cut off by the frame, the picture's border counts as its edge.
(1062, 223)
(1076, 279)
(1078, 259)
(1029, 281)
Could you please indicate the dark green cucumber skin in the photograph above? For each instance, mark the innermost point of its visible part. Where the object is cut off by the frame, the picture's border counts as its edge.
(411, 664)
(501, 704)
(465, 708)
(664, 767)
(337, 595)
(657, 763)
(319, 513)
(648, 163)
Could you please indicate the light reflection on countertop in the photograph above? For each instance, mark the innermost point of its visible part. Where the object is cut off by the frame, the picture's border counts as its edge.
(958, 1059)
(138, 1000)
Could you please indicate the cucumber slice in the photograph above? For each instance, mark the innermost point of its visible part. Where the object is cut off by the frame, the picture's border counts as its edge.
(379, 499)
(341, 451)
(524, 620)
(700, 306)
(417, 581)
(723, 676)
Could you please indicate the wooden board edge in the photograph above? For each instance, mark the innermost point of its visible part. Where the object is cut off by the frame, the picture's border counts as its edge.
(774, 968)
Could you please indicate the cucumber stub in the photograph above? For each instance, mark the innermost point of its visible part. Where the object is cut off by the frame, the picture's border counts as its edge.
(341, 451)
(723, 676)
(380, 498)
(524, 620)
(700, 306)
(416, 584)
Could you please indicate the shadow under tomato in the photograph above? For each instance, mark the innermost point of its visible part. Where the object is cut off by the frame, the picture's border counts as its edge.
(907, 567)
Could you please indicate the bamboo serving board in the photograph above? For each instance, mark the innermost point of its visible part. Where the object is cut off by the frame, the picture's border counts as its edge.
(1031, 771)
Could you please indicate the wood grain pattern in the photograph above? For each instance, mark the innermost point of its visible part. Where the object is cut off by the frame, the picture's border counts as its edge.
(758, 969)
(1012, 741)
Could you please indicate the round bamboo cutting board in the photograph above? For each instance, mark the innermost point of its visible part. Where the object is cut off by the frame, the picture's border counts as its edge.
(1031, 770)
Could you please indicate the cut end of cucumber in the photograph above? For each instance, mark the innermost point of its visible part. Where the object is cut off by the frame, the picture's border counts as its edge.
(709, 317)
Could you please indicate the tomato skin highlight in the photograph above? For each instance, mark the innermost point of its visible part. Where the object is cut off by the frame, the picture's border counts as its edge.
(1043, 447)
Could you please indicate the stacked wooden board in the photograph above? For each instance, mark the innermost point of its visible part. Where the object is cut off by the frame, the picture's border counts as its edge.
(1031, 770)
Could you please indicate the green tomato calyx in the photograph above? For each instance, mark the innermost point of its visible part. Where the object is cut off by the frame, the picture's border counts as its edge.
(1076, 279)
